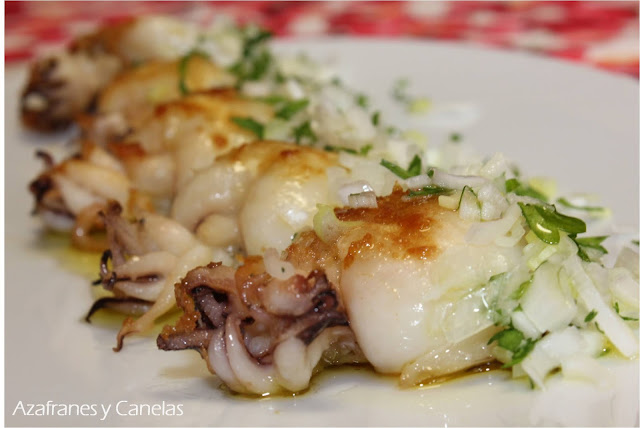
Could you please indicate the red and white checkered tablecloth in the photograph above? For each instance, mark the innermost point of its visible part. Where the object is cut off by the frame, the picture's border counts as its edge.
(603, 33)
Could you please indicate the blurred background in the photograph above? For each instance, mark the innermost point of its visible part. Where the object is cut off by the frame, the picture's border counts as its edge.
(603, 34)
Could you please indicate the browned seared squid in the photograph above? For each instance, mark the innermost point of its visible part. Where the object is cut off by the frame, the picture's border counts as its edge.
(148, 256)
(264, 327)
(69, 195)
(63, 85)
(258, 333)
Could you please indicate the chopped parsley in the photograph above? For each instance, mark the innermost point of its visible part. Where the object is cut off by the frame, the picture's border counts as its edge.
(513, 340)
(415, 167)
(514, 185)
(455, 137)
(566, 203)
(254, 41)
(617, 309)
(522, 289)
(547, 223)
(590, 316)
(274, 99)
(375, 118)
(635, 242)
(592, 242)
(182, 69)
(430, 190)
(255, 62)
(363, 151)
(250, 125)
(304, 131)
(362, 100)
(291, 108)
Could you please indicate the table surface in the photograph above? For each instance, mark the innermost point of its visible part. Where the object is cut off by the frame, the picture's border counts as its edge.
(603, 34)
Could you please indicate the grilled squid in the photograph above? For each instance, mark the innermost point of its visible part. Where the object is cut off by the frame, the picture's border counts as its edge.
(259, 333)
(143, 169)
(396, 273)
(70, 195)
(143, 254)
(258, 196)
(185, 136)
(65, 84)
(144, 260)
(135, 92)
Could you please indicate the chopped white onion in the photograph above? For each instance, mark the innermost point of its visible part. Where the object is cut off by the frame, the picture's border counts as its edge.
(450, 202)
(522, 322)
(544, 302)
(486, 232)
(256, 89)
(363, 200)
(608, 321)
(353, 187)
(551, 350)
(469, 206)
(294, 89)
(492, 200)
(582, 367)
(276, 267)
(624, 289)
(628, 258)
(418, 181)
(452, 181)
(465, 317)
(494, 167)
(401, 151)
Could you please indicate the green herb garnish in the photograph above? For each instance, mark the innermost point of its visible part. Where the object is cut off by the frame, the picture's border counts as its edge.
(521, 353)
(617, 309)
(590, 316)
(522, 288)
(274, 99)
(514, 185)
(566, 203)
(592, 242)
(291, 108)
(304, 131)
(364, 150)
(455, 137)
(375, 118)
(182, 69)
(252, 68)
(362, 100)
(430, 190)
(253, 41)
(399, 91)
(414, 168)
(361, 152)
(253, 65)
(513, 340)
(547, 223)
(250, 125)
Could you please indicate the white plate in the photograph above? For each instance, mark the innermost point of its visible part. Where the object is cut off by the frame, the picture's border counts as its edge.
(570, 122)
